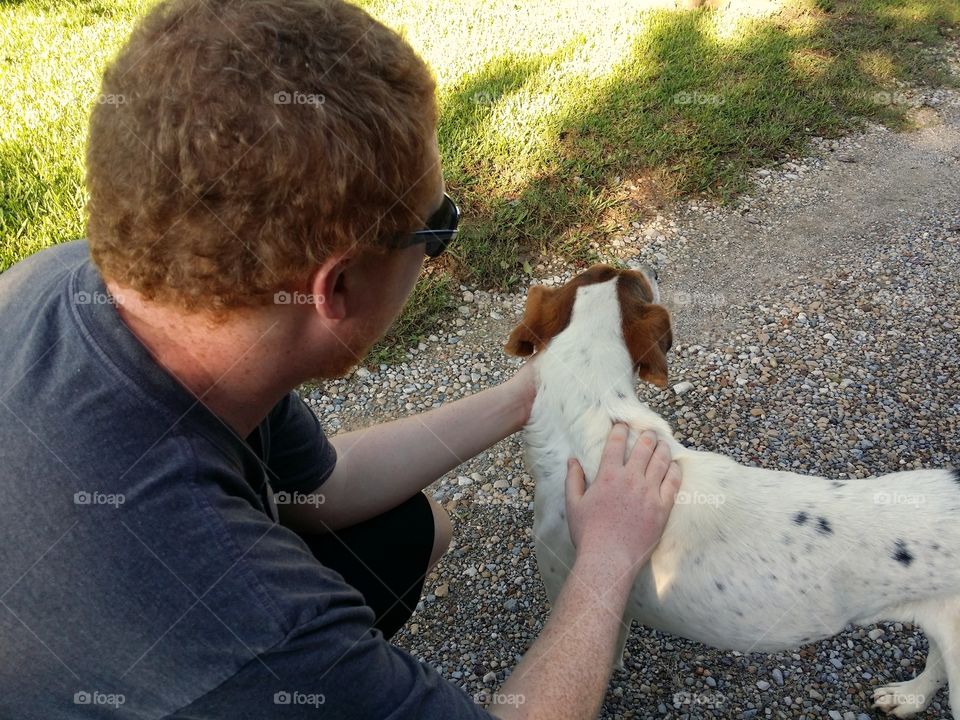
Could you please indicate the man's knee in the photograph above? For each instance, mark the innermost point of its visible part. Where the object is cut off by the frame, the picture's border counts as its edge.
(443, 532)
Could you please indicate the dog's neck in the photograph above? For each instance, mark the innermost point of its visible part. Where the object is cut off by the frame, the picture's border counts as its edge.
(589, 361)
(587, 380)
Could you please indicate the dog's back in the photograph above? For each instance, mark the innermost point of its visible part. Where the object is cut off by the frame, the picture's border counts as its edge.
(751, 559)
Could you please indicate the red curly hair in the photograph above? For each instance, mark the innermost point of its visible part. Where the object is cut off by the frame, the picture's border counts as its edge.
(238, 143)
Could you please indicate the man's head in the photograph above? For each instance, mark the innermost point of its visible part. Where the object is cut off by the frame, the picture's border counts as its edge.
(263, 150)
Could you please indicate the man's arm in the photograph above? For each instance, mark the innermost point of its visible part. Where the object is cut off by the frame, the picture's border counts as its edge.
(381, 466)
(615, 526)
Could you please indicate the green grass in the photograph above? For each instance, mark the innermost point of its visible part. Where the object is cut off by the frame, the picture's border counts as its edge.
(51, 57)
(534, 139)
(543, 106)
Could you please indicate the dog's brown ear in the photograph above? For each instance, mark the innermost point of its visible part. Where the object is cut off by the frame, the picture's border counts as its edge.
(543, 317)
(647, 333)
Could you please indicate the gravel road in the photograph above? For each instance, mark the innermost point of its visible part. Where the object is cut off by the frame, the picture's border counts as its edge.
(816, 322)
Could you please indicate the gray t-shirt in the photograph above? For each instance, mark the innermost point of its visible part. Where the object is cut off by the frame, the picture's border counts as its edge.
(142, 574)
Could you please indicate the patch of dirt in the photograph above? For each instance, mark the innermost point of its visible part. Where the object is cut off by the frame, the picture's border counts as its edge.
(805, 218)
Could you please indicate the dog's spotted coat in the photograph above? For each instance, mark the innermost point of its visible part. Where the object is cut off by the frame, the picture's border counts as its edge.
(751, 559)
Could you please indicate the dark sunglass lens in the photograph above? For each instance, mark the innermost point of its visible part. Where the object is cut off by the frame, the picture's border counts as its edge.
(443, 217)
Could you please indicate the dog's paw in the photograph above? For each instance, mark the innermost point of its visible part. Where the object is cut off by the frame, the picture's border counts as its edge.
(901, 700)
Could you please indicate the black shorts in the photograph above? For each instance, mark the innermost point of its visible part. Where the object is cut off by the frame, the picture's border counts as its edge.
(385, 558)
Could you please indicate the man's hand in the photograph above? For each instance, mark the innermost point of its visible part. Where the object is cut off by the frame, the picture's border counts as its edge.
(625, 509)
(615, 525)
(523, 388)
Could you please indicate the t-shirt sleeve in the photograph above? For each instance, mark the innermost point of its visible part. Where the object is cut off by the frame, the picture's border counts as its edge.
(300, 456)
(370, 679)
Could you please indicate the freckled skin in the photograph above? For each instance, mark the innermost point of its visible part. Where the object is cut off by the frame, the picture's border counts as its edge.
(710, 577)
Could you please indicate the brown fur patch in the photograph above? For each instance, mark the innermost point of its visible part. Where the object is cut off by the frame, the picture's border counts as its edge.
(548, 310)
(646, 327)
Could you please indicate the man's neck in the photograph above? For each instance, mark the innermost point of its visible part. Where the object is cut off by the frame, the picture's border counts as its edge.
(235, 367)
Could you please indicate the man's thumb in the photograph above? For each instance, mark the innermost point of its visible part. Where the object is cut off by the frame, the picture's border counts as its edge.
(576, 483)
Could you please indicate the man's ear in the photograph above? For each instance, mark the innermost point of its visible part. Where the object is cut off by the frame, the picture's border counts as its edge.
(538, 324)
(647, 333)
(330, 287)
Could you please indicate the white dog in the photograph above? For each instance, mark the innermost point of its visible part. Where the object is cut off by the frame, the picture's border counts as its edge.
(751, 559)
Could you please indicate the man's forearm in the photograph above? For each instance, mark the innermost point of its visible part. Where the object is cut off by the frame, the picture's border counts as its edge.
(566, 671)
(381, 466)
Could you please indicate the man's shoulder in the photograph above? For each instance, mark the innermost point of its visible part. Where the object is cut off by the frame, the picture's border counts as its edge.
(34, 275)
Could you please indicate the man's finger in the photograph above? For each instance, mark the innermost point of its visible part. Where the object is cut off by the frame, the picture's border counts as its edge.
(670, 485)
(659, 461)
(642, 452)
(615, 449)
(575, 485)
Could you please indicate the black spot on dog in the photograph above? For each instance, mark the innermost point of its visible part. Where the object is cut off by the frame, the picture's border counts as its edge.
(955, 473)
(823, 526)
(563, 514)
(837, 484)
(621, 394)
(773, 576)
(739, 613)
(800, 518)
(935, 546)
(698, 560)
(901, 554)
(719, 585)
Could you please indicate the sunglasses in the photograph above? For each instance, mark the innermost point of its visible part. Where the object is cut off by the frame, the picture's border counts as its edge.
(440, 231)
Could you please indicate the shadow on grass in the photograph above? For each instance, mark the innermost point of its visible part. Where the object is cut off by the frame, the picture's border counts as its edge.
(494, 236)
(685, 111)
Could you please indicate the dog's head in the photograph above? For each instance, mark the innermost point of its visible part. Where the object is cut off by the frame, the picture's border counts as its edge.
(646, 325)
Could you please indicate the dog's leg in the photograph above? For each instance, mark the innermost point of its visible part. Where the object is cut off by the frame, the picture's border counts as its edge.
(905, 699)
(946, 631)
(621, 644)
(553, 569)
(940, 621)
